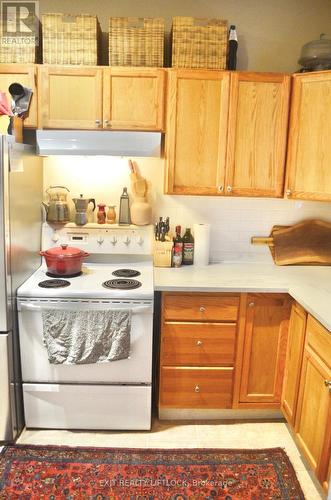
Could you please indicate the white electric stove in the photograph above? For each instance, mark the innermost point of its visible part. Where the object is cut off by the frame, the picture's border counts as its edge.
(117, 275)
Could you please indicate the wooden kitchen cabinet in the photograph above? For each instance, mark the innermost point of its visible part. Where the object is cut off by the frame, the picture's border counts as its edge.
(101, 98)
(226, 134)
(263, 350)
(309, 145)
(257, 134)
(196, 131)
(25, 74)
(69, 97)
(133, 98)
(294, 354)
(313, 419)
(198, 350)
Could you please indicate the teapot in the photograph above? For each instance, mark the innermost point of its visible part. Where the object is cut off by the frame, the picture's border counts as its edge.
(81, 205)
(57, 211)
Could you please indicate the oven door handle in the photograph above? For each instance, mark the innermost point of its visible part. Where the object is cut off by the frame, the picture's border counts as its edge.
(28, 306)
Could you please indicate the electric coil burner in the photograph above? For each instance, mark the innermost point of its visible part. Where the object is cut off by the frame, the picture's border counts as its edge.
(122, 284)
(51, 275)
(54, 284)
(126, 273)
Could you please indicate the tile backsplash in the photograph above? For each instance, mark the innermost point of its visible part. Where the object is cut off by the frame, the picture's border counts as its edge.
(233, 220)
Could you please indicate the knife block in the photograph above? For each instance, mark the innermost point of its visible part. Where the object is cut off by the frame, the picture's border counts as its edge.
(162, 254)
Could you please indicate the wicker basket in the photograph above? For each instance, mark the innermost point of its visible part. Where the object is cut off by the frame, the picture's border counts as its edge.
(136, 41)
(22, 54)
(70, 39)
(199, 43)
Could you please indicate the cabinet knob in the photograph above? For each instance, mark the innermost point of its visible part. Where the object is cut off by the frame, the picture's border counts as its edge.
(199, 342)
(288, 192)
(98, 122)
(220, 189)
(327, 383)
(229, 189)
(202, 309)
(106, 123)
(197, 388)
(251, 304)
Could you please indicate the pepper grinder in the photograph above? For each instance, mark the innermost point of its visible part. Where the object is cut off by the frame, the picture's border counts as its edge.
(124, 215)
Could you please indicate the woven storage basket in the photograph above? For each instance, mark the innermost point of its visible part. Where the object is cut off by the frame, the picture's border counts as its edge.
(22, 54)
(135, 41)
(70, 39)
(199, 43)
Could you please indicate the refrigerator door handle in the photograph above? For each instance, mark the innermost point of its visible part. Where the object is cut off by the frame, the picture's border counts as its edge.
(6, 431)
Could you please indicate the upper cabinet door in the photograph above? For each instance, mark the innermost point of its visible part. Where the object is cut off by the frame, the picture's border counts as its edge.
(133, 98)
(70, 97)
(196, 131)
(258, 117)
(309, 147)
(25, 75)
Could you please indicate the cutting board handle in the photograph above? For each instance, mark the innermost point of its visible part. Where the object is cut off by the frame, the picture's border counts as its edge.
(262, 240)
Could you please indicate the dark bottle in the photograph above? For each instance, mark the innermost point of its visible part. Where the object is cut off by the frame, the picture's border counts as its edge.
(188, 247)
(177, 252)
(233, 45)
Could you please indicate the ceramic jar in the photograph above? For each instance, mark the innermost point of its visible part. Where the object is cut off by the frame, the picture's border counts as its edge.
(141, 212)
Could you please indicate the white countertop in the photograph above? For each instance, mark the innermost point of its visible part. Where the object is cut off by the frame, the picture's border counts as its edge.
(308, 285)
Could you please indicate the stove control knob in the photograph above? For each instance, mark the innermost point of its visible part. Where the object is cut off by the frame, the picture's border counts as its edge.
(55, 237)
(127, 241)
(113, 241)
(100, 240)
(140, 241)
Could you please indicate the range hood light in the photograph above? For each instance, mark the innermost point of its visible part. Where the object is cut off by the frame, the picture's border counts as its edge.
(94, 142)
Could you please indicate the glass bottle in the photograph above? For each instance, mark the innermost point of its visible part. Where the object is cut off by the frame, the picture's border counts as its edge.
(124, 214)
(177, 253)
(233, 45)
(188, 247)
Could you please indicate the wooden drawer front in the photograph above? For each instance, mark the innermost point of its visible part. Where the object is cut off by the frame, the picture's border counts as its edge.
(196, 387)
(198, 344)
(319, 339)
(200, 307)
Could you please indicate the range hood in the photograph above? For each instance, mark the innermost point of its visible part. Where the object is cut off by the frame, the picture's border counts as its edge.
(95, 142)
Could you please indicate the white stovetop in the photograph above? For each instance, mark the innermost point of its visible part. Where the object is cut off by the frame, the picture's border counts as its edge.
(309, 285)
(89, 284)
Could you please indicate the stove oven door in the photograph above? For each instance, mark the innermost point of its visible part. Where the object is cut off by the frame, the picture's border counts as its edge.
(135, 370)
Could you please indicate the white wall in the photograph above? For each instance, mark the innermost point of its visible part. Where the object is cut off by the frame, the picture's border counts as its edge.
(233, 220)
(271, 32)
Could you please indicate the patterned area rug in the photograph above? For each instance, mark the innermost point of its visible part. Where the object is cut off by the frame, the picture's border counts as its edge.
(54, 472)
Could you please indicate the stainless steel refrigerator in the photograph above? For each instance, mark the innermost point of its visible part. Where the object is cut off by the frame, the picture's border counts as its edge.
(21, 186)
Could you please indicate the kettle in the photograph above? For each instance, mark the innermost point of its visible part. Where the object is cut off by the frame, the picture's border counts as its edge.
(57, 211)
(81, 205)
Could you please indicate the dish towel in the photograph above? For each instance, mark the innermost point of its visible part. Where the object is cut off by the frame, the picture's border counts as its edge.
(83, 337)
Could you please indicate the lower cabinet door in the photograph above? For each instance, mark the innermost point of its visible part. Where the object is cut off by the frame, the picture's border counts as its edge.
(186, 387)
(313, 412)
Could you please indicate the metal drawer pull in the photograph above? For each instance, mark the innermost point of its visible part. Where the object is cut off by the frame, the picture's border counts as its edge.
(197, 388)
(199, 342)
(327, 383)
(202, 309)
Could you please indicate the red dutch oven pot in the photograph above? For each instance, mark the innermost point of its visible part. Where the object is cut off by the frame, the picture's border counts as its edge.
(64, 260)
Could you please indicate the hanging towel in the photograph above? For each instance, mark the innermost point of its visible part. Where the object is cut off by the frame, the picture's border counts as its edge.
(83, 337)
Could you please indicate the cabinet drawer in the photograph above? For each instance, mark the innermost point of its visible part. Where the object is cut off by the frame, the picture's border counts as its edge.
(200, 307)
(196, 387)
(319, 339)
(198, 344)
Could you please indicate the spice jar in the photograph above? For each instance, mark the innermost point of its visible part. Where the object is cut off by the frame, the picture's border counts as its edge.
(101, 214)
